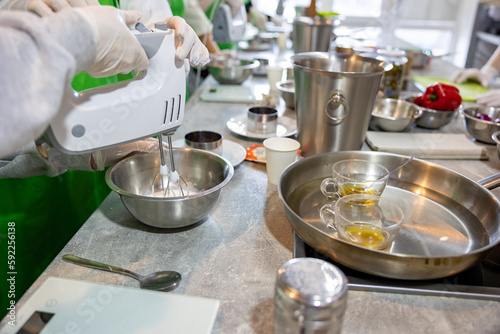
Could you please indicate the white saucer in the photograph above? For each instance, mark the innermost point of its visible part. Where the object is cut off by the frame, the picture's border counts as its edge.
(286, 127)
(232, 151)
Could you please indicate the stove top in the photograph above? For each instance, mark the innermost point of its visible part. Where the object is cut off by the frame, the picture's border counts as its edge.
(478, 282)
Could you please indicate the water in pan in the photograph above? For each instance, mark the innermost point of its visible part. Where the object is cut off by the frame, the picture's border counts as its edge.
(434, 225)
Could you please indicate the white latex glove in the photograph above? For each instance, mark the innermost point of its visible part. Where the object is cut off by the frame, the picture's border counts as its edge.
(112, 155)
(45, 7)
(118, 51)
(257, 19)
(49, 7)
(235, 5)
(28, 162)
(187, 44)
(484, 76)
(490, 99)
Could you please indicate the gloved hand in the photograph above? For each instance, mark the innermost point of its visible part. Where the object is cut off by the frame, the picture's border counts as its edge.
(257, 19)
(110, 156)
(49, 7)
(45, 7)
(29, 161)
(490, 99)
(118, 51)
(235, 6)
(188, 45)
(484, 76)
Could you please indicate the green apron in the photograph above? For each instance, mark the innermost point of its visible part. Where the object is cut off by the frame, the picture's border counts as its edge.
(177, 7)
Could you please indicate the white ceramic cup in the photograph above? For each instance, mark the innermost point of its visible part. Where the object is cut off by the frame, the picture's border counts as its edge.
(274, 75)
(280, 152)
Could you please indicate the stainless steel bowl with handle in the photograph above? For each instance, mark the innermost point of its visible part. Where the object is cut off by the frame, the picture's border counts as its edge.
(206, 174)
(431, 118)
(394, 115)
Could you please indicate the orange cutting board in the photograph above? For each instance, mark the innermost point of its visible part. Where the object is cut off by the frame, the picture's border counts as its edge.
(468, 90)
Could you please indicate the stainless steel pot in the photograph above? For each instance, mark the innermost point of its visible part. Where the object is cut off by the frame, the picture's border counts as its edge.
(334, 98)
(451, 222)
(310, 34)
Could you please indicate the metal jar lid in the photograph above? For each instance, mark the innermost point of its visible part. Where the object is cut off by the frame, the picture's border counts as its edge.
(308, 283)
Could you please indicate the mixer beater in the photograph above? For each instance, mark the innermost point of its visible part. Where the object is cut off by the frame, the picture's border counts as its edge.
(171, 177)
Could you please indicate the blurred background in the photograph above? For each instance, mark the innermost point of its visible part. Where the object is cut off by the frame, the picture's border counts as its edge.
(464, 31)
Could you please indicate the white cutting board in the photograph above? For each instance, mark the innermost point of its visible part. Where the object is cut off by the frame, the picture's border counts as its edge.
(434, 145)
(228, 93)
(91, 308)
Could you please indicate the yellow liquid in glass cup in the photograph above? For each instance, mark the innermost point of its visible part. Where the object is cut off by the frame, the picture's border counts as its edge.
(354, 189)
(366, 235)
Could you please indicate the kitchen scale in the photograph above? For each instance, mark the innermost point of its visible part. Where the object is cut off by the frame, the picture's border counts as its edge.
(478, 282)
(69, 306)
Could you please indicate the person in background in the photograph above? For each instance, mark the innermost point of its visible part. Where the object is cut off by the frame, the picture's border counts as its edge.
(489, 71)
(484, 76)
(47, 211)
(198, 20)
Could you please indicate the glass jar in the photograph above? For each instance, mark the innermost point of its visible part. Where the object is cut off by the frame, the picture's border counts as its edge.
(392, 80)
(310, 297)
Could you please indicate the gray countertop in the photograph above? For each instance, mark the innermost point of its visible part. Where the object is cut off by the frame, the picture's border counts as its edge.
(233, 255)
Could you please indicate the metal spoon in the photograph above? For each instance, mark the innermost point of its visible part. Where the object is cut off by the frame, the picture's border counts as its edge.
(160, 280)
(389, 173)
(396, 168)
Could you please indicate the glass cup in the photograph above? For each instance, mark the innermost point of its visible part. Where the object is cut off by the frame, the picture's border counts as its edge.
(355, 176)
(366, 220)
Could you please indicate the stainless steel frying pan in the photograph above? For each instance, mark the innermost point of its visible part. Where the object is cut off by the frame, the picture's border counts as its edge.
(451, 222)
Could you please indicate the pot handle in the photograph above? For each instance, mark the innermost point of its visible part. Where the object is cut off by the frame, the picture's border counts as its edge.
(418, 113)
(490, 182)
(337, 99)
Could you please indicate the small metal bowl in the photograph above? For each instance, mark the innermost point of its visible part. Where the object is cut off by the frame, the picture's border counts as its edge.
(206, 174)
(431, 118)
(231, 71)
(262, 68)
(287, 91)
(496, 138)
(394, 115)
(479, 129)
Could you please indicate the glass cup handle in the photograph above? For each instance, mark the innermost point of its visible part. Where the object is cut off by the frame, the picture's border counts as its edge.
(324, 185)
(337, 100)
(327, 215)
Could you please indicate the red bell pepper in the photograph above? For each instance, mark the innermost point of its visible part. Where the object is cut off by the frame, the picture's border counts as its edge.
(441, 97)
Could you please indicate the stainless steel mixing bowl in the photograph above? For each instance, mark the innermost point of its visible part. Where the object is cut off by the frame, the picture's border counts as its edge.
(480, 129)
(231, 71)
(206, 174)
(394, 115)
(496, 138)
(434, 119)
(287, 91)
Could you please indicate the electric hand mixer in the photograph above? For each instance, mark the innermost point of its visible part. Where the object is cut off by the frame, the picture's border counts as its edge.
(152, 103)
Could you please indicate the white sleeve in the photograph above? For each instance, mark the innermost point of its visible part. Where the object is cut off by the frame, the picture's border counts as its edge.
(39, 58)
(152, 11)
(196, 17)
